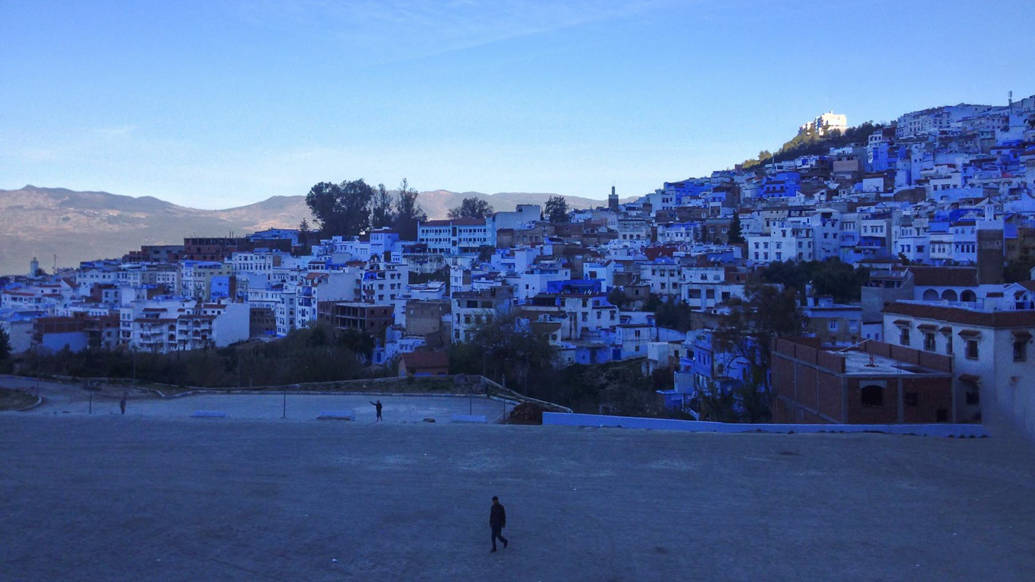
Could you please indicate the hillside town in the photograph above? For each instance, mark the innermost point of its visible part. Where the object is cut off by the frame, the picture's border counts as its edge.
(934, 212)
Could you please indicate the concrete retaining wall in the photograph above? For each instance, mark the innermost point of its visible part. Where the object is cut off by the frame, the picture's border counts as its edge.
(599, 420)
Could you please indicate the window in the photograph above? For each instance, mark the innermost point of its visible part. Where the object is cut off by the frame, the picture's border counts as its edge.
(1020, 350)
(872, 395)
(903, 337)
(929, 342)
(972, 349)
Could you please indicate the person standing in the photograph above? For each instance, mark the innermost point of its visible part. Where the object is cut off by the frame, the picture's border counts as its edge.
(378, 406)
(122, 403)
(497, 521)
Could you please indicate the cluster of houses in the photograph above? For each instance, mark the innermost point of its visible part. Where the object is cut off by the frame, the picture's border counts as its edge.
(933, 205)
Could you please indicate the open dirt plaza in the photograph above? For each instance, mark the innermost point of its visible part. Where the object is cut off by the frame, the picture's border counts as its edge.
(154, 496)
(102, 498)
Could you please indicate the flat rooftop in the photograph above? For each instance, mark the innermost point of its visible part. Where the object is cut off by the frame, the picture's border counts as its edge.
(860, 364)
(139, 497)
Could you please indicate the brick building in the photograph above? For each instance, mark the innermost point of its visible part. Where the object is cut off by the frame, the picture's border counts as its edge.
(212, 248)
(424, 317)
(876, 384)
(76, 332)
(424, 363)
(366, 317)
(155, 254)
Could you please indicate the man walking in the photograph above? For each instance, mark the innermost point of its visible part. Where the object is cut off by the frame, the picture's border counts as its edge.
(122, 403)
(378, 406)
(497, 521)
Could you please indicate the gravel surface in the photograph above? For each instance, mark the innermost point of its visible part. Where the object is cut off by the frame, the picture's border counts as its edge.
(149, 498)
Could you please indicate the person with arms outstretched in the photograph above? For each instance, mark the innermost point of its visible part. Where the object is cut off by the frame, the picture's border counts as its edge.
(378, 406)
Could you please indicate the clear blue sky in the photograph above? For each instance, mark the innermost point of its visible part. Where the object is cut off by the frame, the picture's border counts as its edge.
(216, 104)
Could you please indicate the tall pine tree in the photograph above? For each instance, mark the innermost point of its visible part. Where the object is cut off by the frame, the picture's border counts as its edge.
(735, 236)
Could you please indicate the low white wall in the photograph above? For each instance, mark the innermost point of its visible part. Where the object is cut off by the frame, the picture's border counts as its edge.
(600, 420)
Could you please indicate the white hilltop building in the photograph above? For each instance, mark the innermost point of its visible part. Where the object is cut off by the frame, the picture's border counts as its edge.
(825, 123)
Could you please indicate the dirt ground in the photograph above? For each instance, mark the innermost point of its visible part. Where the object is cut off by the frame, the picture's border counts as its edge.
(111, 497)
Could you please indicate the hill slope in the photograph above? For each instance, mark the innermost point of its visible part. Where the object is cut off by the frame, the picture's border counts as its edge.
(78, 226)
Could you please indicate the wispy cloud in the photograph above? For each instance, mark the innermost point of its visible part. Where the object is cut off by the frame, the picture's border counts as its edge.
(393, 30)
(114, 132)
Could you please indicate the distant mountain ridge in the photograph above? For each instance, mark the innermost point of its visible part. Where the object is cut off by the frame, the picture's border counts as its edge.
(78, 226)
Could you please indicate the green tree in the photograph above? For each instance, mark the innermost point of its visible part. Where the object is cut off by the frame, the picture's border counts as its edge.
(616, 297)
(381, 213)
(1018, 270)
(342, 209)
(303, 227)
(506, 350)
(557, 209)
(831, 277)
(812, 143)
(471, 208)
(5, 348)
(747, 401)
(837, 279)
(652, 303)
(358, 342)
(748, 327)
(754, 398)
(673, 314)
(735, 236)
(717, 405)
(485, 253)
(408, 214)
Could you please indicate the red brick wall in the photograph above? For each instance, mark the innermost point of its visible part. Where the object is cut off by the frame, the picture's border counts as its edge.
(932, 394)
(887, 413)
(830, 396)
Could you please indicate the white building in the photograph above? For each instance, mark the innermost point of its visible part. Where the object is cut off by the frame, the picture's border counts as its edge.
(991, 354)
(181, 325)
(318, 287)
(663, 276)
(196, 278)
(523, 216)
(707, 287)
(462, 235)
(825, 123)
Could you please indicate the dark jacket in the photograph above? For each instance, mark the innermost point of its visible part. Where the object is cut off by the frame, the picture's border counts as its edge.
(498, 516)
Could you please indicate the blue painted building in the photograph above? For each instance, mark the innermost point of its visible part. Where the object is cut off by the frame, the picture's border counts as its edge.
(881, 157)
(575, 286)
(276, 234)
(781, 185)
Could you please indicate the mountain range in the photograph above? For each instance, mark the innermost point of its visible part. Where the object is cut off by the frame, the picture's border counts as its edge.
(77, 226)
